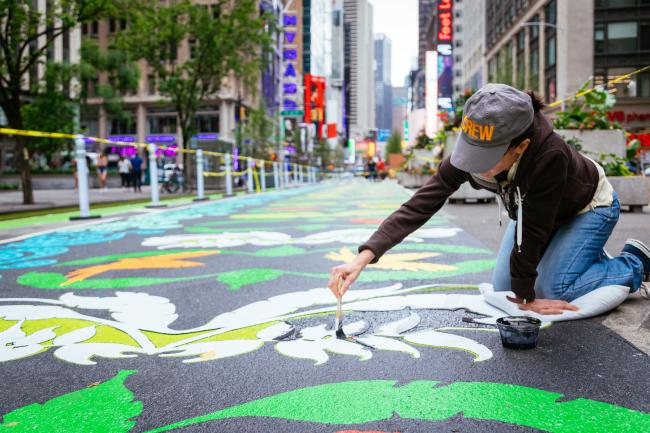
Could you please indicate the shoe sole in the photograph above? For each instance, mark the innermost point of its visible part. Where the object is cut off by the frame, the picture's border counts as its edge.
(640, 246)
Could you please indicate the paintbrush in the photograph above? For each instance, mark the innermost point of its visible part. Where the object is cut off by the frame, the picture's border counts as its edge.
(338, 321)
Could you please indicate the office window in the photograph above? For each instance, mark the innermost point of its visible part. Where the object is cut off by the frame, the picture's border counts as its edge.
(521, 40)
(643, 85)
(534, 29)
(621, 3)
(621, 37)
(599, 38)
(550, 51)
(122, 125)
(551, 12)
(161, 124)
(644, 31)
(112, 25)
(193, 47)
(152, 87)
(207, 123)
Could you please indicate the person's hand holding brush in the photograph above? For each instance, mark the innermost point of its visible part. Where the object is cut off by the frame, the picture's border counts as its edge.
(349, 272)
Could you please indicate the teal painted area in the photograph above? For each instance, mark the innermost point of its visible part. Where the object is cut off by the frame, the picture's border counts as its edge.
(283, 251)
(355, 403)
(108, 407)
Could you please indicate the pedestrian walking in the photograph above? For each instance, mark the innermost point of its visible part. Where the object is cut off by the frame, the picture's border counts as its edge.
(372, 170)
(561, 206)
(124, 168)
(102, 169)
(136, 172)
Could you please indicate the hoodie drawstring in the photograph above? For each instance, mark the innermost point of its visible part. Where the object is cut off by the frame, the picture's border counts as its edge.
(500, 212)
(520, 219)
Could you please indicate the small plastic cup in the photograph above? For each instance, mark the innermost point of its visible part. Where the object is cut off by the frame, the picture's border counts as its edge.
(519, 332)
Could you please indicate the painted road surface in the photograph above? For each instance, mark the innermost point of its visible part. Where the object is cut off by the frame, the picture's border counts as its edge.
(215, 318)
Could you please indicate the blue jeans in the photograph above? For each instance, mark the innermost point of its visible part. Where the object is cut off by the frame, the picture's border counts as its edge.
(575, 263)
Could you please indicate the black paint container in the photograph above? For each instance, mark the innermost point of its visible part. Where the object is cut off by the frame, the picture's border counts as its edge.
(518, 332)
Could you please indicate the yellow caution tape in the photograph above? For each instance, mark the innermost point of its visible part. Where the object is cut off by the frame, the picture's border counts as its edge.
(585, 92)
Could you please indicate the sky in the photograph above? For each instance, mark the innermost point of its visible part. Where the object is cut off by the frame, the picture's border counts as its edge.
(398, 19)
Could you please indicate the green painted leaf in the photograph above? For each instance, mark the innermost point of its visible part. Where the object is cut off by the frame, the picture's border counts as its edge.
(282, 251)
(53, 281)
(244, 277)
(107, 407)
(378, 400)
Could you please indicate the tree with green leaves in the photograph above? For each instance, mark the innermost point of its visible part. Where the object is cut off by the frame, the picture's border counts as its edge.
(258, 129)
(26, 35)
(224, 40)
(394, 144)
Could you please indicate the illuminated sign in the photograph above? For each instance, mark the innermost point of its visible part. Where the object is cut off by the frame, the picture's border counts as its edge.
(431, 92)
(290, 58)
(445, 20)
(315, 101)
(160, 139)
(123, 138)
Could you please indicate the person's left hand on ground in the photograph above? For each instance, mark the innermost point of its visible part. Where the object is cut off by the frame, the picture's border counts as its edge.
(545, 306)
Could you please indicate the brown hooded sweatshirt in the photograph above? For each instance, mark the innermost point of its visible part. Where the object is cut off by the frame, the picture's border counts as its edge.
(553, 180)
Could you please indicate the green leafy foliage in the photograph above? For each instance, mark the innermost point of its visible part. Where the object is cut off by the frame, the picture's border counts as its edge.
(107, 407)
(394, 144)
(588, 111)
(223, 39)
(614, 165)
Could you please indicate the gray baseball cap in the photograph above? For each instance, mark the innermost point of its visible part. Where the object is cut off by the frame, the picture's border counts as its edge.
(492, 117)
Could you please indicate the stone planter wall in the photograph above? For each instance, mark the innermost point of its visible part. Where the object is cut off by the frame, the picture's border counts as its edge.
(408, 180)
(598, 140)
(633, 191)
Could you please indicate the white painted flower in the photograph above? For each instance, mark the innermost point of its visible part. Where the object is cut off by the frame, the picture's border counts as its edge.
(263, 238)
(144, 318)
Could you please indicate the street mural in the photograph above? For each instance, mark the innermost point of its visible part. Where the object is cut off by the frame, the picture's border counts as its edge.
(110, 291)
(112, 407)
(141, 323)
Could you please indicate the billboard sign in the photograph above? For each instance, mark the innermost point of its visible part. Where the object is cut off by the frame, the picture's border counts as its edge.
(431, 93)
(290, 59)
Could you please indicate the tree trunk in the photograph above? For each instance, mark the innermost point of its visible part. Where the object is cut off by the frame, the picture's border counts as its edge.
(15, 120)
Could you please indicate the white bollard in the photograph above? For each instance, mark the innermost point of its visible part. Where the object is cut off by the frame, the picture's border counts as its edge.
(262, 175)
(249, 174)
(295, 173)
(228, 168)
(285, 169)
(276, 177)
(200, 184)
(153, 178)
(300, 174)
(311, 174)
(82, 180)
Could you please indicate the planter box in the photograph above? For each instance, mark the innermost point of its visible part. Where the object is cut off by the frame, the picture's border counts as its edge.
(593, 140)
(598, 140)
(467, 194)
(395, 160)
(408, 180)
(633, 191)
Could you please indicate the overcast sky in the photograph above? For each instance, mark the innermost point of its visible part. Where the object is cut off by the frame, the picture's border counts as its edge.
(398, 19)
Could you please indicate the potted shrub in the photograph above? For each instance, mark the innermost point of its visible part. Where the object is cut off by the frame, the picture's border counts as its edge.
(585, 118)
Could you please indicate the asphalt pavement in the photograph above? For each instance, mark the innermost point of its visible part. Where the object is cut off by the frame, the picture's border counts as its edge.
(215, 317)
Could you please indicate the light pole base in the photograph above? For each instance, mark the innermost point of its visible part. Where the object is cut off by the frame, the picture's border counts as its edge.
(155, 206)
(89, 217)
(201, 199)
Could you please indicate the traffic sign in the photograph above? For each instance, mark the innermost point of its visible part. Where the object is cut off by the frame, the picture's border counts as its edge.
(292, 113)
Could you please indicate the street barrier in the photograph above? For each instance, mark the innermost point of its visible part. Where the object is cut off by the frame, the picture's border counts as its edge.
(255, 169)
(200, 184)
(153, 178)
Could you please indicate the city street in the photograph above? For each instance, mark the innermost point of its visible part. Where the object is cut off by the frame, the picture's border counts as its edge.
(215, 317)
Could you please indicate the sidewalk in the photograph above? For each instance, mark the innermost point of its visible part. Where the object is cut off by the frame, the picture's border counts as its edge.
(12, 201)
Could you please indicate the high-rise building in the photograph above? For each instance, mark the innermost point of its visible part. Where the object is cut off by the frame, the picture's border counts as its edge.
(359, 74)
(399, 108)
(554, 46)
(155, 122)
(426, 8)
(469, 44)
(383, 85)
